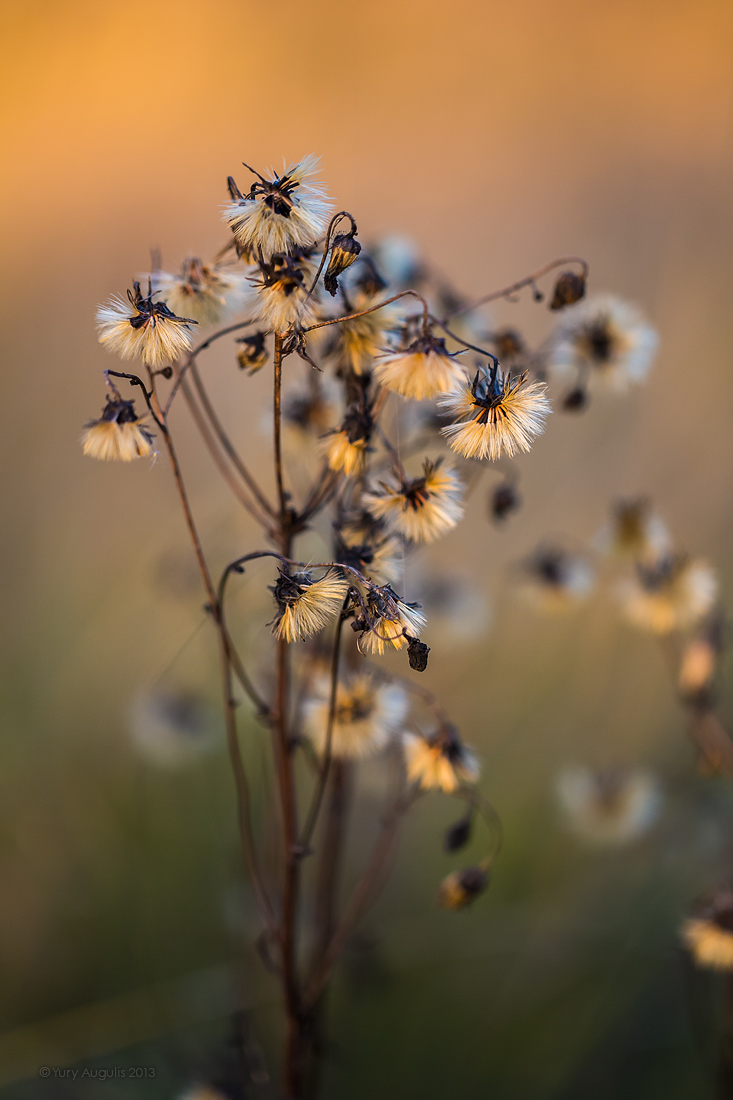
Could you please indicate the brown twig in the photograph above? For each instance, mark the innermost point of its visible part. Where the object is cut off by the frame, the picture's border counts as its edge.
(227, 445)
(528, 280)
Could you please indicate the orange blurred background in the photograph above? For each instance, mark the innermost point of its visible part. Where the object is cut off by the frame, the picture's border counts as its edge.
(498, 137)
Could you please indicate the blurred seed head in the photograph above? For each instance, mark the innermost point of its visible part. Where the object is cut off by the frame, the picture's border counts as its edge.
(171, 727)
(611, 806)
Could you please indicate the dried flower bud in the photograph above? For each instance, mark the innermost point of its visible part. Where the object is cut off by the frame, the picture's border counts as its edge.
(503, 500)
(344, 250)
(462, 887)
(252, 355)
(417, 653)
(576, 400)
(569, 289)
(458, 835)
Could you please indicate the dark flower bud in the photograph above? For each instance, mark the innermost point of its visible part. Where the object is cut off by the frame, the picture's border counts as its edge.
(509, 343)
(576, 400)
(344, 250)
(417, 653)
(252, 355)
(503, 500)
(462, 887)
(569, 288)
(458, 835)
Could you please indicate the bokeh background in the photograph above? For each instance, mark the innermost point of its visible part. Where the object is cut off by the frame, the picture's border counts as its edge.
(497, 136)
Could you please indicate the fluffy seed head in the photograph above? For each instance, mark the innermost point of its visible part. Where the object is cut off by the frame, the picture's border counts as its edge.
(304, 605)
(390, 621)
(282, 292)
(367, 714)
(604, 340)
(422, 508)
(208, 293)
(440, 762)
(495, 414)
(635, 532)
(171, 728)
(610, 806)
(144, 328)
(553, 579)
(674, 593)
(279, 213)
(119, 435)
(422, 370)
(709, 934)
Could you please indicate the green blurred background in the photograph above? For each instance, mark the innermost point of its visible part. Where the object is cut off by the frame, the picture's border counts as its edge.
(497, 136)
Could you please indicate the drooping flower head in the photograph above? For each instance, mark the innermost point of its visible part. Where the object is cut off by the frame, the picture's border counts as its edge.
(252, 355)
(119, 435)
(145, 328)
(208, 293)
(709, 934)
(496, 414)
(673, 593)
(422, 508)
(367, 714)
(609, 806)
(279, 213)
(305, 605)
(461, 888)
(389, 621)
(345, 250)
(604, 340)
(422, 370)
(356, 343)
(440, 762)
(282, 291)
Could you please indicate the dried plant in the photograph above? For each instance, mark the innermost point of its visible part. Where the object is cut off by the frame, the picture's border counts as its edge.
(388, 362)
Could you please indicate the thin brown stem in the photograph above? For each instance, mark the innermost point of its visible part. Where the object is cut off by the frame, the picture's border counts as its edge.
(277, 402)
(320, 788)
(360, 897)
(528, 280)
(240, 777)
(227, 445)
(321, 492)
(220, 462)
(193, 356)
(373, 309)
(332, 846)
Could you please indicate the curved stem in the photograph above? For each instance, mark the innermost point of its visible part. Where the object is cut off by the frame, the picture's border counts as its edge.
(327, 245)
(218, 459)
(197, 351)
(528, 280)
(227, 444)
(373, 309)
(460, 340)
(240, 777)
